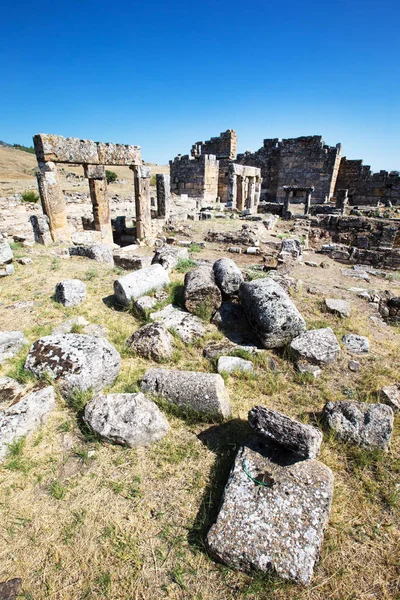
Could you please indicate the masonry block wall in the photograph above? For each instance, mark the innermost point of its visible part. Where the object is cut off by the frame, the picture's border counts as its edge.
(367, 188)
(196, 177)
(303, 161)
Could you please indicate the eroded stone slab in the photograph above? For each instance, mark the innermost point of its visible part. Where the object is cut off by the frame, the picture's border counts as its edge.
(11, 343)
(316, 346)
(186, 326)
(277, 526)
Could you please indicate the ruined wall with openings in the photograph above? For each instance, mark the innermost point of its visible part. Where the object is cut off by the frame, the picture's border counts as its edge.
(196, 177)
(302, 161)
(365, 187)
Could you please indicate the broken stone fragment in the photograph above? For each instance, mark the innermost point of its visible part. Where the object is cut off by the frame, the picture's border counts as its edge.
(136, 284)
(273, 513)
(10, 392)
(357, 344)
(11, 343)
(129, 259)
(317, 346)
(143, 304)
(76, 362)
(205, 393)
(186, 326)
(338, 307)
(201, 293)
(305, 368)
(168, 257)
(70, 292)
(367, 425)
(98, 252)
(152, 341)
(390, 395)
(127, 419)
(230, 364)
(354, 366)
(228, 277)
(6, 254)
(25, 416)
(224, 348)
(271, 313)
(231, 319)
(297, 437)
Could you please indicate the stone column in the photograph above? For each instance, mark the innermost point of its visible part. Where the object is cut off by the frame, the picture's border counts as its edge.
(101, 206)
(286, 204)
(257, 192)
(141, 176)
(342, 200)
(163, 184)
(240, 192)
(41, 229)
(232, 189)
(251, 193)
(53, 202)
(307, 203)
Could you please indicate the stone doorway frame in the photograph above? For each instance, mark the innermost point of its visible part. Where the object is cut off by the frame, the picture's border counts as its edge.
(244, 187)
(289, 189)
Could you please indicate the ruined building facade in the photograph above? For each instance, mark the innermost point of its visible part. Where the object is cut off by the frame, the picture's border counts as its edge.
(366, 188)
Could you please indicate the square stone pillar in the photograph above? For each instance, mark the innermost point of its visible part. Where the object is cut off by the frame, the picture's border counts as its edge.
(342, 200)
(53, 202)
(251, 193)
(101, 206)
(240, 192)
(257, 195)
(307, 203)
(141, 175)
(286, 204)
(232, 189)
(163, 184)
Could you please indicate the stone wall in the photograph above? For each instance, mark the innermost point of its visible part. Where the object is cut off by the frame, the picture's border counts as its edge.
(361, 232)
(223, 146)
(196, 177)
(303, 161)
(365, 187)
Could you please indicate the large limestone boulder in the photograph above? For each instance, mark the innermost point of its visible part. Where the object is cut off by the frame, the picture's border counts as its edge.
(25, 416)
(152, 341)
(70, 292)
(186, 326)
(295, 436)
(11, 343)
(139, 283)
(231, 319)
(75, 361)
(228, 277)
(203, 392)
(127, 419)
(201, 293)
(367, 425)
(317, 346)
(276, 525)
(390, 395)
(271, 313)
(169, 256)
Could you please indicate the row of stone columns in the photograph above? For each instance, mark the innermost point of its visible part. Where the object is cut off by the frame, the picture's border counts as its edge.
(244, 191)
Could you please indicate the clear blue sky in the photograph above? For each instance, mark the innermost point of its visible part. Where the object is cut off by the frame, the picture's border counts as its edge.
(164, 75)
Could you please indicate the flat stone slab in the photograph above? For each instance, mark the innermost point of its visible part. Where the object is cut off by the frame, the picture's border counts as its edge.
(277, 526)
(203, 392)
(169, 257)
(356, 344)
(11, 343)
(225, 348)
(127, 419)
(98, 252)
(338, 307)
(230, 364)
(188, 327)
(136, 284)
(316, 346)
(367, 425)
(295, 436)
(25, 416)
(390, 395)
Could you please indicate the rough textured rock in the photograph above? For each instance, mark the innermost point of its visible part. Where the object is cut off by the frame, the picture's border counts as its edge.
(229, 364)
(143, 304)
(317, 346)
(25, 416)
(75, 361)
(231, 319)
(354, 366)
(201, 292)
(390, 395)
(139, 283)
(98, 252)
(291, 249)
(271, 313)
(169, 256)
(128, 419)
(130, 259)
(305, 368)
(186, 326)
(277, 526)
(203, 392)
(9, 590)
(10, 392)
(224, 348)
(228, 277)
(7, 270)
(152, 341)
(367, 425)
(6, 254)
(357, 344)
(70, 292)
(338, 307)
(11, 343)
(295, 436)
(84, 327)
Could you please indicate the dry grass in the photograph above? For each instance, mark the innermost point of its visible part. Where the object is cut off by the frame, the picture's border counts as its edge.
(85, 519)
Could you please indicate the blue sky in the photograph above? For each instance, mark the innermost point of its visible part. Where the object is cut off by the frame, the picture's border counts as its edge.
(164, 75)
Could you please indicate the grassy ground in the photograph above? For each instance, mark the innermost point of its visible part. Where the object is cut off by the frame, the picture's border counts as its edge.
(85, 519)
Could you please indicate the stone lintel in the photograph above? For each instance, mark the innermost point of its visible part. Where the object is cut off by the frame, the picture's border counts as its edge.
(56, 148)
(94, 171)
(299, 188)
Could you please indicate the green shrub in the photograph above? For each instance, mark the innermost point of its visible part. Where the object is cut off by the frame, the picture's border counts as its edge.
(153, 180)
(30, 196)
(184, 265)
(29, 149)
(111, 176)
